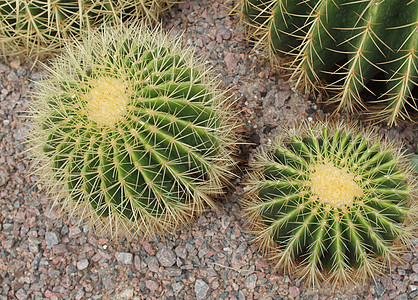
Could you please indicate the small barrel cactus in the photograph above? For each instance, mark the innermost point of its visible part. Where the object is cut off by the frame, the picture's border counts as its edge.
(132, 131)
(37, 27)
(332, 202)
(348, 44)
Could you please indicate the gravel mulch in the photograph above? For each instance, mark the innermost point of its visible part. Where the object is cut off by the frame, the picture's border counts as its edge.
(45, 256)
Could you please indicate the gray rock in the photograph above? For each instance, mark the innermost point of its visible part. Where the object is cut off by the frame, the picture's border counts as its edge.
(251, 281)
(177, 287)
(51, 239)
(80, 294)
(34, 240)
(4, 68)
(402, 297)
(181, 252)
(71, 269)
(124, 257)
(152, 285)
(241, 295)
(12, 75)
(82, 264)
(127, 293)
(201, 288)
(153, 264)
(412, 277)
(379, 288)
(166, 257)
(73, 231)
(21, 72)
(21, 294)
(172, 271)
(7, 227)
(34, 248)
(294, 292)
(242, 247)
(4, 177)
(108, 282)
(137, 262)
(37, 260)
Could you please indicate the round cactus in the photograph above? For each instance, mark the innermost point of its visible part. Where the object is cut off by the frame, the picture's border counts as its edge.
(332, 202)
(348, 44)
(37, 27)
(132, 131)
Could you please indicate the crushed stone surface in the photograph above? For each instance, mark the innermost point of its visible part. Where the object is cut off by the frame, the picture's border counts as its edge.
(45, 256)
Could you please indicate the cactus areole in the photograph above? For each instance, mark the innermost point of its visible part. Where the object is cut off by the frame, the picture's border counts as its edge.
(133, 131)
(331, 202)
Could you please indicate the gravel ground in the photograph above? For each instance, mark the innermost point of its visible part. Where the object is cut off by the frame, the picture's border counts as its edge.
(45, 256)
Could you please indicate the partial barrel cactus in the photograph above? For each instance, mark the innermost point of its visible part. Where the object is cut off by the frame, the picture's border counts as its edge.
(332, 202)
(37, 27)
(356, 47)
(132, 131)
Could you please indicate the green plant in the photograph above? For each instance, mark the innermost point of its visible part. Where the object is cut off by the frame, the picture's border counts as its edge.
(358, 47)
(132, 131)
(37, 27)
(332, 202)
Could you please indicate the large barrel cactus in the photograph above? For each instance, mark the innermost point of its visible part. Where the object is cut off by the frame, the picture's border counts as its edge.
(356, 47)
(37, 27)
(132, 131)
(332, 202)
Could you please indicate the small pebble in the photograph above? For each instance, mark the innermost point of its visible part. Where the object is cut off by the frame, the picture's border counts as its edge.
(201, 289)
(51, 239)
(294, 292)
(251, 281)
(82, 264)
(125, 258)
(177, 287)
(127, 293)
(166, 257)
(151, 284)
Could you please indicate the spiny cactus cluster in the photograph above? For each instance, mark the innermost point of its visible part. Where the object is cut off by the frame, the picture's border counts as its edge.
(414, 160)
(357, 47)
(331, 202)
(37, 27)
(132, 131)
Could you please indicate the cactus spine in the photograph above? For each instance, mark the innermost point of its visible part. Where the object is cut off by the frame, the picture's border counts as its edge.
(37, 27)
(132, 131)
(331, 202)
(347, 44)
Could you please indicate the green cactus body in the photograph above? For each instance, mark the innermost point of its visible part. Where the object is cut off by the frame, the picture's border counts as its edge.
(284, 25)
(401, 69)
(334, 199)
(37, 27)
(347, 44)
(133, 131)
